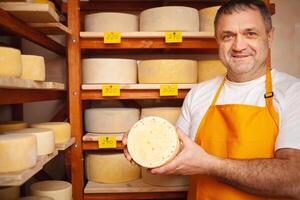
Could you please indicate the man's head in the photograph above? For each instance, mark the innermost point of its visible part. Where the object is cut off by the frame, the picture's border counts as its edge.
(243, 29)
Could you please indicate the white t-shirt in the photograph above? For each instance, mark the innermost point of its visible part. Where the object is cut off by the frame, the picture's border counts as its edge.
(286, 101)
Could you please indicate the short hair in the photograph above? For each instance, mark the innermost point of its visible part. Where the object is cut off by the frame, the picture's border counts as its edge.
(240, 5)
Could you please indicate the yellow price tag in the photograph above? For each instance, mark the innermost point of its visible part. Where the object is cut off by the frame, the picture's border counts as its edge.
(111, 90)
(107, 142)
(173, 37)
(112, 37)
(168, 90)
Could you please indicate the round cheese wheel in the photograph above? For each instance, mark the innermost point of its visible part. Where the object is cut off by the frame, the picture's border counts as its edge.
(33, 68)
(153, 142)
(50, 3)
(12, 125)
(109, 70)
(62, 130)
(17, 152)
(164, 180)
(209, 69)
(167, 71)
(168, 113)
(169, 18)
(35, 198)
(110, 168)
(45, 139)
(10, 193)
(207, 18)
(10, 62)
(58, 190)
(111, 21)
(110, 120)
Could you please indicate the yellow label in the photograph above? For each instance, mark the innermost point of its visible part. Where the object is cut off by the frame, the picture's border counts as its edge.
(168, 90)
(173, 37)
(111, 90)
(112, 37)
(107, 142)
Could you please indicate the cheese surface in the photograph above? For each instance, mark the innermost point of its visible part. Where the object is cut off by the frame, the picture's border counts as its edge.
(168, 113)
(207, 17)
(209, 69)
(167, 71)
(111, 21)
(33, 68)
(35, 198)
(109, 70)
(10, 62)
(12, 125)
(110, 168)
(110, 120)
(152, 142)
(169, 18)
(10, 193)
(58, 190)
(17, 152)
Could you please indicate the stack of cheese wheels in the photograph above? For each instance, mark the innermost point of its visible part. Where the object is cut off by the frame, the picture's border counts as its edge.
(35, 198)
(111, 21)
(169, 113)
(109, 70)
(33, 68)
(208, 69)
(167, 71)
(62, 130)
(17, 152)
(58, 190)
(110, 168)
(153, 142)
(12, 125)
(10, 62)
(207, 17)
(45, 139)
(10, 193)
(110, 120)
(169, 18)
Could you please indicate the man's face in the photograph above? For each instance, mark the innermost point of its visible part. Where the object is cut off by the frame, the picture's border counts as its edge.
(243, 44)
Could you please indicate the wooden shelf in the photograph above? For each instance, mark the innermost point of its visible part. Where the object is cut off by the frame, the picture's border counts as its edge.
(93, 145)
(62, 147)
(136, 86)
(18, 178)
(51, 28)
(93, 137)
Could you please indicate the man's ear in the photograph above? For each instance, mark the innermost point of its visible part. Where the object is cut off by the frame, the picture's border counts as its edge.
(271, 36)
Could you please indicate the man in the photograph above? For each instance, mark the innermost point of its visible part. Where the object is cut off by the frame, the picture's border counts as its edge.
(242, 131)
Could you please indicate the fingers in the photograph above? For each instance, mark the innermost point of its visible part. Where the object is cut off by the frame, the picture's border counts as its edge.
(168, 168)
(124, 139)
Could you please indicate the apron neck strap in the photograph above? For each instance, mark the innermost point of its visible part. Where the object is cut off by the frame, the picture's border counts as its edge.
(218, 92)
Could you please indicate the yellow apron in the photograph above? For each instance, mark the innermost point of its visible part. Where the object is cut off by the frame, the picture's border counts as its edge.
(235, 131)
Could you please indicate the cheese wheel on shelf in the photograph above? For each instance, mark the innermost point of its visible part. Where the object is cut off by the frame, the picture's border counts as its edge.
(209, 69)
(33, 68)
(62, 130)
(168, 113)
(110, 168)
(17, 152)
(12, 125)
(153, 142)
(110, 120)
(109, 70)
(50, 3)
(45, 139)
(111, 21)
(10, 62)
(207, 18)
(164, 180)
(35, 198)
(167, 71)
(10, 193)
(169, 18)
(58, 190)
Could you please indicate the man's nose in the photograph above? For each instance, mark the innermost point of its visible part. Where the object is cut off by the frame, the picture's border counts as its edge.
(239, 43)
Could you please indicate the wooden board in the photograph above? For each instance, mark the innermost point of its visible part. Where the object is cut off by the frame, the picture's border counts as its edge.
(129, 187)
(51, 28)
(62, 147)
(31, 12)
(135, 86)
(11, 82)
(95, 136)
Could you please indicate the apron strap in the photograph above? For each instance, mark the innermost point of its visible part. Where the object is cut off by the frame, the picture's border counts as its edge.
(218, 92)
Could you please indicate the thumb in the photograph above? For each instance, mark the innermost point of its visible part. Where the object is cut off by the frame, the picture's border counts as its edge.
(182, 136)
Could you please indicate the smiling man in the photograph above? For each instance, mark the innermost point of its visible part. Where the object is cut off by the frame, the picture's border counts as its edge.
(240, 133)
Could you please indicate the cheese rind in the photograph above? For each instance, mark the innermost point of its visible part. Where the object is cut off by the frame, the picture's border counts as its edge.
(33, 68)
(110, 168)
(10, 62)
(12, 125)
(152, 142)
(169, 18)
(58, 190)
(110, 120)
(168, 113)
(207, 17)
(10, 193)
(109, 70)
(110, 22)
(209, 69)
(17, 152)
(167, 71)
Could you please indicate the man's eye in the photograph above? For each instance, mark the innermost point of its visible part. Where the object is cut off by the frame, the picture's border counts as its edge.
(226, 37)
(251, 34)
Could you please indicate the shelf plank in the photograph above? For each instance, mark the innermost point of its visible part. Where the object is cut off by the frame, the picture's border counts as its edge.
(140, 196)
(135, 86)
(93, 137)
(18, 178)
(93, 145)
(64, 146)
(18, 27)
(51, 28)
